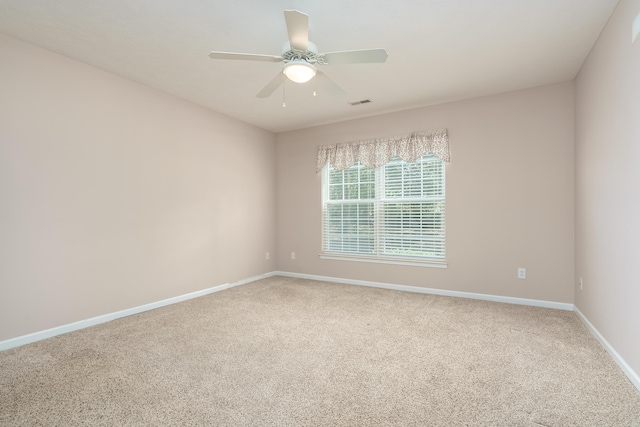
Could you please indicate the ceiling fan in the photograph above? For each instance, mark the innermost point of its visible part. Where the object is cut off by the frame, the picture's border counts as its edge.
(300, 57)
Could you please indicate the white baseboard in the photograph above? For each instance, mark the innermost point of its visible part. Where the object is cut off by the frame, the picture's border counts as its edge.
(59, 330)
(253, 279)
(432, 291)
(630, 373)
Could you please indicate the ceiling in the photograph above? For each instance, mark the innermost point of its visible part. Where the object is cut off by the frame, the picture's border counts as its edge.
(439, 50)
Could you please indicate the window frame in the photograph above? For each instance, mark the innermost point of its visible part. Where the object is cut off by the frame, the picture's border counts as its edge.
(378, 256)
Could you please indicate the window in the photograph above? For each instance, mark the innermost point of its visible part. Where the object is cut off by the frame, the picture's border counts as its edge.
(392, 213)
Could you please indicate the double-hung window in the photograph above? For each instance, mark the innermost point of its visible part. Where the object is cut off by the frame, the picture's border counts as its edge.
(393, 213)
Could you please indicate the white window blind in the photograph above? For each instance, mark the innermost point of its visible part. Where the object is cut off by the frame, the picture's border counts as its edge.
(396, 211)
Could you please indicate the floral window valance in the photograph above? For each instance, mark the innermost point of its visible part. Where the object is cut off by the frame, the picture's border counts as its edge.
(377, 152)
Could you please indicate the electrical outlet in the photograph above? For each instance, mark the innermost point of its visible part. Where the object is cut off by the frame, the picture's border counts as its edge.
(266, 256)
(522, 273)
(293, 255)
(580, 283)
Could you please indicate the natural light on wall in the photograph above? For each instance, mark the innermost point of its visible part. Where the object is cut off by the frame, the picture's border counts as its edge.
(635, 32)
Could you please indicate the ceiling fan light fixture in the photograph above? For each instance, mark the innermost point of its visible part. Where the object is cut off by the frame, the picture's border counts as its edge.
(299, 71)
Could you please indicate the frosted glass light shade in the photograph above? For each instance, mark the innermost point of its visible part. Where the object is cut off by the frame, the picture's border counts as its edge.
(299, 71)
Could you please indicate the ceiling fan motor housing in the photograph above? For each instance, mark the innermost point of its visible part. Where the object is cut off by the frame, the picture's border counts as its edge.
(310, 55)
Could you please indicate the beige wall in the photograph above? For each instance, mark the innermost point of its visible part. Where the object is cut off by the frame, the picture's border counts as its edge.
(608, 185)
(114, 195)
(509, 195)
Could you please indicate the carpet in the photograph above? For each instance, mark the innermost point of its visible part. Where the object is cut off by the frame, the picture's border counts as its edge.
(293, 352)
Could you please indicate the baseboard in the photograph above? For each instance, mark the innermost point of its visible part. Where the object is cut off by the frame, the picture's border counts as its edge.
(626, 369)
(59, 330)
(253, 279)
(630, 373)
(432, 291)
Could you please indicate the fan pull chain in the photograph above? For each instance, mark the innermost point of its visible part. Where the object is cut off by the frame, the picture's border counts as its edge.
(284, 92)
(314, 86)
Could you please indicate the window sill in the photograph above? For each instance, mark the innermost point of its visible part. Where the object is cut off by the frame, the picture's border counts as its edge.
(382, 260)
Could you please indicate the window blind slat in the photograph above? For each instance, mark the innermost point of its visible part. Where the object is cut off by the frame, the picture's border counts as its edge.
(397, 210)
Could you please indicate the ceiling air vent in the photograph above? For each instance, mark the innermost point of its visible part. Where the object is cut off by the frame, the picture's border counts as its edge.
(364, 101)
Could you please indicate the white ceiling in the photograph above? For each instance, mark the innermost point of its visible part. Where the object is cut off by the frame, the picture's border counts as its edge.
(439, 50)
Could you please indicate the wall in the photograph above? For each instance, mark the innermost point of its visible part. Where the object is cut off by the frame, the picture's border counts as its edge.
(509, 195)
(607, 247)
(115, 195)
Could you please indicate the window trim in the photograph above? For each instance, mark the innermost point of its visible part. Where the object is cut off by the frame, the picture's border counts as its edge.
(424, 262)
(375, 258)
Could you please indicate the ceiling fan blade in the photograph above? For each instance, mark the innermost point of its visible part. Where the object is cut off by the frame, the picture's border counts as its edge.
(298, 29)
(329, 85)
(363, 56)
(245, 56)
(271, 86)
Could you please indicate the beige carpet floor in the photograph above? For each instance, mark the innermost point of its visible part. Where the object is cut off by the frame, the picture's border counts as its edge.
(292, 352)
